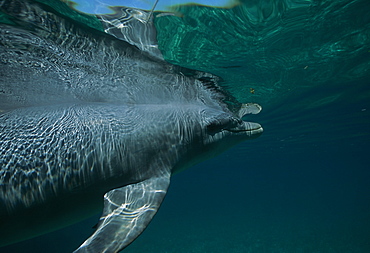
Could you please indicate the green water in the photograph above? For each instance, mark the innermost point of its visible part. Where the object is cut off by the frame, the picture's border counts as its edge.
(273, 47)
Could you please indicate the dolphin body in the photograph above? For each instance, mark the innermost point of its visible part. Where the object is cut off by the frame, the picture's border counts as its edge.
(88, 115)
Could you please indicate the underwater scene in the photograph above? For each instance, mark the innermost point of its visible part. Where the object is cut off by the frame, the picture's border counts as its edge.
(303, 186)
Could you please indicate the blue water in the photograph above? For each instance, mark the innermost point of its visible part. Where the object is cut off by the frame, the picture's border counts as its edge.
(255, 201)
(304, 185)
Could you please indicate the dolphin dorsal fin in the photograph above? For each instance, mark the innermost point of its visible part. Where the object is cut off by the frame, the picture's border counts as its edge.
(127, 212)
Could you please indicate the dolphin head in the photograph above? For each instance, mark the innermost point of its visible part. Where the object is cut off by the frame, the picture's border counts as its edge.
(226, 130)
(219, 130)
(231, 127)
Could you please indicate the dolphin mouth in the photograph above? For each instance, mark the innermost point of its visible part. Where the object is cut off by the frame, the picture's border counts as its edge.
(249, 127)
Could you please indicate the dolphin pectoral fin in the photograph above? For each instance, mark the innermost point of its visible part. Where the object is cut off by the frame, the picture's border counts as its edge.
(127, 212)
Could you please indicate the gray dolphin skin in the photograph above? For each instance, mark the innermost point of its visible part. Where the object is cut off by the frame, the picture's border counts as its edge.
(91, 123)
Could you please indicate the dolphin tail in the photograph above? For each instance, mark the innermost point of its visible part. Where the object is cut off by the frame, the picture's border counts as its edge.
(127, 212)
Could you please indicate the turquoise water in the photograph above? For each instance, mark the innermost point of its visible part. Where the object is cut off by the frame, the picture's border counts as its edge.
(303, 186)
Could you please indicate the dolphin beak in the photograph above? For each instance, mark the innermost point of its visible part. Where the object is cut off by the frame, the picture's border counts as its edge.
(252, 129)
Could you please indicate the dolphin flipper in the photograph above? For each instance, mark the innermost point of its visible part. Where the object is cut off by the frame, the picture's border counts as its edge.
(127, 212)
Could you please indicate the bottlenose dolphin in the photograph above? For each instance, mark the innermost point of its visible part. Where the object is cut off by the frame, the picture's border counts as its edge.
(88, 117)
